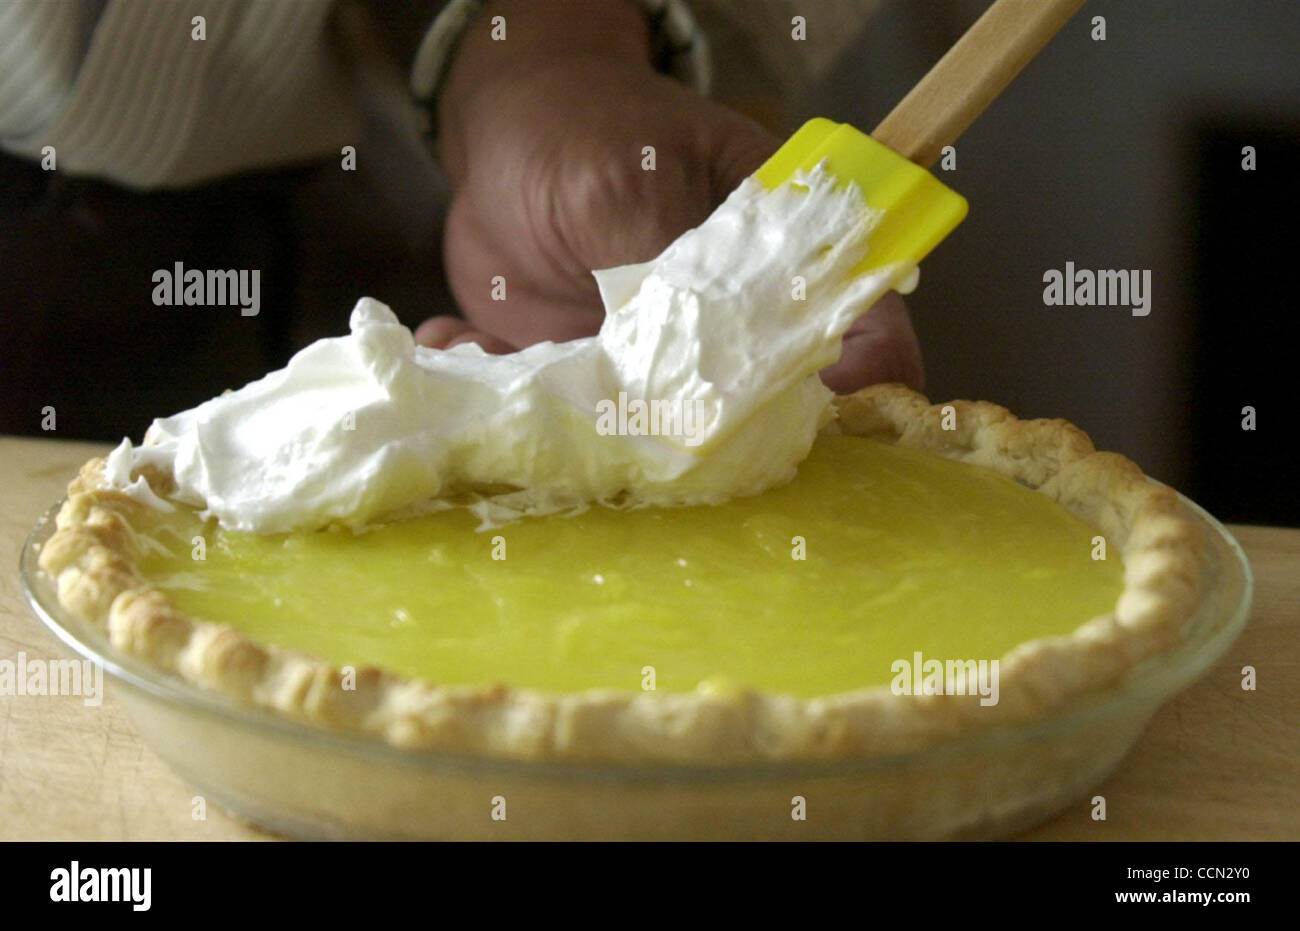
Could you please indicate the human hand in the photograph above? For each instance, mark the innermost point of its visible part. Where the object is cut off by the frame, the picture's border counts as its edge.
(544, 150)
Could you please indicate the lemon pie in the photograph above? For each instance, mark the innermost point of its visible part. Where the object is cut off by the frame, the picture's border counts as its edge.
(458, 551)
(803, 622)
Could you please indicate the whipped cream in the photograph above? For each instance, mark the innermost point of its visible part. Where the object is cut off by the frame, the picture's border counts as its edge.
(358, 427)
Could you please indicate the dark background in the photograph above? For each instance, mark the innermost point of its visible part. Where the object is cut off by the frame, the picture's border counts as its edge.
(1121, 154)
(1117, 154)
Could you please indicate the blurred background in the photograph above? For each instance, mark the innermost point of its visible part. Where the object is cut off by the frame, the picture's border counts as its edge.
(1123, 153)
(1116, 154)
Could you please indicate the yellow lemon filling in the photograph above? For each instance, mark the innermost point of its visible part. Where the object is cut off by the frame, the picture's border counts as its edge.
(871, 554)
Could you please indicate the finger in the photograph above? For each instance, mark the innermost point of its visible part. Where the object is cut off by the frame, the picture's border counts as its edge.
(523, 312)
(525, 316)
(881, 346)
(740, 148)
(490, 343)
(436, 332)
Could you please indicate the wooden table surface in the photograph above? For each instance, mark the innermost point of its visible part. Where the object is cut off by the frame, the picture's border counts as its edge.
(1216, 763)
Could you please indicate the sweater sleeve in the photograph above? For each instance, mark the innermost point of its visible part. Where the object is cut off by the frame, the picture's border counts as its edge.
(145, 94)
(757, 58)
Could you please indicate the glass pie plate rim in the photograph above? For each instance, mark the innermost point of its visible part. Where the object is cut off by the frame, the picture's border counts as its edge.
(1208, 635)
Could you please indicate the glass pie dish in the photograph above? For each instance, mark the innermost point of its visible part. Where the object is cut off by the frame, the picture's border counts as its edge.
(305, 781)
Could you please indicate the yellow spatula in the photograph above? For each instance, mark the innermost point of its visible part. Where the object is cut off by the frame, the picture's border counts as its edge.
(890, 166)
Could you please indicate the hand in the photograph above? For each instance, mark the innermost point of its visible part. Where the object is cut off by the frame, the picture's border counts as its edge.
(544, 149)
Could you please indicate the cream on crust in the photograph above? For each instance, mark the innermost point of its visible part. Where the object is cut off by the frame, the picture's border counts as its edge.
(91, 558)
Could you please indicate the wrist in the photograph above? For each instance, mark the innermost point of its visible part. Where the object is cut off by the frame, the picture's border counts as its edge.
(539, 38)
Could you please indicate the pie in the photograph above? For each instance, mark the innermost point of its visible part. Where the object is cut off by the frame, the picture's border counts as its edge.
(798, 624)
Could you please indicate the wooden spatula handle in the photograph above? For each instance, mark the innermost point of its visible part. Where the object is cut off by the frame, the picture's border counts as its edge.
(971, 75)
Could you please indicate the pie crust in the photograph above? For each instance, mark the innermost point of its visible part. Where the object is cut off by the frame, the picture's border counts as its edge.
(91, 556)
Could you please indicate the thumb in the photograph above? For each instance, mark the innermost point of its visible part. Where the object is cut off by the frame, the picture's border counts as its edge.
(740, 147)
